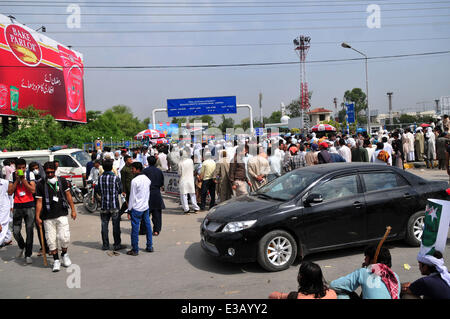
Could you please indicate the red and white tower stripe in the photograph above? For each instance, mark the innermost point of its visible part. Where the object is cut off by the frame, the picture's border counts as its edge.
(302, 45)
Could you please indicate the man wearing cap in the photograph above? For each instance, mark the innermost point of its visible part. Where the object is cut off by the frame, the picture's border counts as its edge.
(323, 156)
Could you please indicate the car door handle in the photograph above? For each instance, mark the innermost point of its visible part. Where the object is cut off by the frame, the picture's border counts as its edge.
(357, 205)
(408, 196)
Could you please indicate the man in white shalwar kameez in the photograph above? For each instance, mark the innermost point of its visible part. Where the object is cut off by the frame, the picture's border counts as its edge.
(408, 147)
(186, 184)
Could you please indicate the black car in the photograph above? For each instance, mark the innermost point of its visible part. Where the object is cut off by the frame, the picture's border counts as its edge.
(318, 208)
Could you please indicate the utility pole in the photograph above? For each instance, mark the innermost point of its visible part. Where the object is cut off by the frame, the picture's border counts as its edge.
(335, 107)
(391, 117)
(437, 106)
(260, 109)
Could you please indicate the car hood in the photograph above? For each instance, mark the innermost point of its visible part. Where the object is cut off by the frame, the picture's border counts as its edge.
(242, 208)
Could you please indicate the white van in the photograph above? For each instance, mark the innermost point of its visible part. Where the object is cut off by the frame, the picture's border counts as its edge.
(72, 161)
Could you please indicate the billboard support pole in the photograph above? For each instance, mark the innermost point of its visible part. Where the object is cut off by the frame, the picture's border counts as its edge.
(250, 110)
(154, 116)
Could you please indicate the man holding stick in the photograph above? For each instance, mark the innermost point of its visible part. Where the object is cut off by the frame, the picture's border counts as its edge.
(53, 199)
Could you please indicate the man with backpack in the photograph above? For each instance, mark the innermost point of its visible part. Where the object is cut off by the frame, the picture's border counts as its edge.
(53, 199)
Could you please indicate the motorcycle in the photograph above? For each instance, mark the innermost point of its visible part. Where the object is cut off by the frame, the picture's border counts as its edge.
(91, 200)
(76, 193)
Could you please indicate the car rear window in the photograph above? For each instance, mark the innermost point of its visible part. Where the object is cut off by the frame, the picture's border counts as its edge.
(381, 181)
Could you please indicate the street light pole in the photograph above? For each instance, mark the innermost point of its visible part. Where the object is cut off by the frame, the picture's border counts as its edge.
(345, 45)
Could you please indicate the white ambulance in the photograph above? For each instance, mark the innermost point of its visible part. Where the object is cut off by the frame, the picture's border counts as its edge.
(72, 161)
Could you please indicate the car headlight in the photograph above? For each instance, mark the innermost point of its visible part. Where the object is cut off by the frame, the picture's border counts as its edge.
(238, 226)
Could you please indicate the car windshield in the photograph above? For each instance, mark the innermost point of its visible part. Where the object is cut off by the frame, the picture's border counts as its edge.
(82, 157)
(289, 185)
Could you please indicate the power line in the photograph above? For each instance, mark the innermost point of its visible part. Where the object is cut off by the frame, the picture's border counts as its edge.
(45, 4)
(230, 14)
(235, 21)
(215, 4)
(202, 66)
(243, 30)
(249, 44)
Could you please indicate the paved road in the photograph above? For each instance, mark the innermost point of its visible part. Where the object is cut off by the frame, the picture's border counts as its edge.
(177, 269)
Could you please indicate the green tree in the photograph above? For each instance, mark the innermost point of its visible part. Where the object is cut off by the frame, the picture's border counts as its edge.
(206, 119)
(405, 118)
(293, 109)
(226, 123)
(357, 96)
(92, 116)
(275, 117)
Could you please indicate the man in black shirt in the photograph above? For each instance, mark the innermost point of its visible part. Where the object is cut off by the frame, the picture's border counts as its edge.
(156, 201)
(53, 199)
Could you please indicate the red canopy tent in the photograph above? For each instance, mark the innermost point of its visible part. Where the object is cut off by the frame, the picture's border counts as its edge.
(323, 128)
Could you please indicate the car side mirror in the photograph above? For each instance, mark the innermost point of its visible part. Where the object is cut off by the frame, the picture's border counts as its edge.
(313, 199)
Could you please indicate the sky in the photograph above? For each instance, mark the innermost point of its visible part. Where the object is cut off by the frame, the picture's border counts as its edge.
(153, 37)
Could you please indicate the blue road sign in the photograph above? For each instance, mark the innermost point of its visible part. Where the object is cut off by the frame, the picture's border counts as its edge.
(127, 144)
(259, 131)
(201, 106)
(350, 112)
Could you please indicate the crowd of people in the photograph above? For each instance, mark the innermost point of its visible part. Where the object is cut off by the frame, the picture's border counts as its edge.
(131, 180)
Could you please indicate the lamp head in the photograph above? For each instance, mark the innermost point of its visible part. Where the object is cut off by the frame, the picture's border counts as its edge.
(345, 45)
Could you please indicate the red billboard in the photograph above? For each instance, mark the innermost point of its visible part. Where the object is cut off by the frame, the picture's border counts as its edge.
(40, 72)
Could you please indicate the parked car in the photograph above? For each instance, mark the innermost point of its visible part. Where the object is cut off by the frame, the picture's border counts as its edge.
(319, 208)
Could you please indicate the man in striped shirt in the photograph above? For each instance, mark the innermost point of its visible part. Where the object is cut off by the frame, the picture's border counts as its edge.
(109, 186)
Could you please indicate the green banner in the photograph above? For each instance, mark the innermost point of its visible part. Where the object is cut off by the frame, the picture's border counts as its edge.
(435, 232)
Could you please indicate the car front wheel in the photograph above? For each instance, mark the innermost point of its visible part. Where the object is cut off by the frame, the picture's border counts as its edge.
(277, 250)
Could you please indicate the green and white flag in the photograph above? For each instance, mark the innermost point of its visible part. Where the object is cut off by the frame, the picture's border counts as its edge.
(435, 232)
